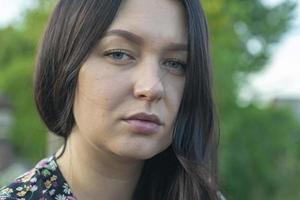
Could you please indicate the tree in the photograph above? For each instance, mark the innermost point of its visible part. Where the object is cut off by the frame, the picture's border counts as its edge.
(17, 54)
(257, 145)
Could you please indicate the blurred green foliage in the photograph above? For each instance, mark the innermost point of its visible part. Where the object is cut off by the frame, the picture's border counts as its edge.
(259, 146)
(259, 151)
(17, 57)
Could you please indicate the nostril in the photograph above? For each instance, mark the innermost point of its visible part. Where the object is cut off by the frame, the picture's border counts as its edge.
(148, 85)
(149, 94)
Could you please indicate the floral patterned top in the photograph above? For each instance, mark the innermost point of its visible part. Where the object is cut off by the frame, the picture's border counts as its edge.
(44, 182)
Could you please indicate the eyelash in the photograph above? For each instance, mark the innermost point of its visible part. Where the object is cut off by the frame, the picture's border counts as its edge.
(178, 61)
(111, 52)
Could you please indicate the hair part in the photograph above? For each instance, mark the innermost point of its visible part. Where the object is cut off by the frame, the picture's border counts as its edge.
(185, 170)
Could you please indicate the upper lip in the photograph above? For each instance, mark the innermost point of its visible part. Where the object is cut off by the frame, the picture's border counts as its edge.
(145, 117)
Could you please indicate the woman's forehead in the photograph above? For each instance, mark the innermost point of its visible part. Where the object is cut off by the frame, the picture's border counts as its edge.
(155, 20)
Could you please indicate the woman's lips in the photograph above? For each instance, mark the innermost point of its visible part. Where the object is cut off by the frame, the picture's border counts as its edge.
(142, 126)
(144, 123)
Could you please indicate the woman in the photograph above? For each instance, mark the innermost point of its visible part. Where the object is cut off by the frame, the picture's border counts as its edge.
(127, 85)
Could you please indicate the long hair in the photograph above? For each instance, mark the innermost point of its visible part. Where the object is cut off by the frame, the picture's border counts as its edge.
(187, 170)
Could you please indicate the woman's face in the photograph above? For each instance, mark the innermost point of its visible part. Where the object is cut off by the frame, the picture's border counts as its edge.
(130, 88)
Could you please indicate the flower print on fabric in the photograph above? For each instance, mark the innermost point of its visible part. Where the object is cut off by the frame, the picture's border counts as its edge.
(44, 182)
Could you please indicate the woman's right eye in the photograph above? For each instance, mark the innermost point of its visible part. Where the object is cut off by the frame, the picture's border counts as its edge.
(118, 55)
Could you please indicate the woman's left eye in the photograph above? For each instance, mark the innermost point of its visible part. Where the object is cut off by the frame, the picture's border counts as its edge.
(175, 66)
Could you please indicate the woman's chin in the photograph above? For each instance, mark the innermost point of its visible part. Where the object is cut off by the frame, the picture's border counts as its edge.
(138, 152)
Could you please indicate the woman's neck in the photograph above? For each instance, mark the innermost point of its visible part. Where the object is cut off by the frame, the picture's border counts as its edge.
(96, 174)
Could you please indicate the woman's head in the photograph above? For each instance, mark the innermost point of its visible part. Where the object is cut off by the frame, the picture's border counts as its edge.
(101, 62)
(137, 67)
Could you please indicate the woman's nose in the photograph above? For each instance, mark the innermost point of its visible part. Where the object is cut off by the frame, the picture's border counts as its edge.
(148, 82)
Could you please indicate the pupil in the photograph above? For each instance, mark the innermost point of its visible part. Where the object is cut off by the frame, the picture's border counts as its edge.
(118, 55)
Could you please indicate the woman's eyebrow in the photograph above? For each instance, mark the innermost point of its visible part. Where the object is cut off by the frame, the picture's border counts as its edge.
(176, 47)
(140, 41)
(127, 35)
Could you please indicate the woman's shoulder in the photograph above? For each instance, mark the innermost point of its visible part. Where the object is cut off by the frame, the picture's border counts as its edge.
(43, 182)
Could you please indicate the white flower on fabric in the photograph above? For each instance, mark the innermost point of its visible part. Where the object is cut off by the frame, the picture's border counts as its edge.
(33, 188)
(19, 188)
(33, 180)
(60, 197)
(51, 192)
(66, 189)
(52, 165)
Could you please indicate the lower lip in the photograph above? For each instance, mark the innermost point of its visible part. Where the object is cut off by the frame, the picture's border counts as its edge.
(144, 127)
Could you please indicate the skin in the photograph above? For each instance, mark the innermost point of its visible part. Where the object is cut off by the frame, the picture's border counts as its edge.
(104, 155)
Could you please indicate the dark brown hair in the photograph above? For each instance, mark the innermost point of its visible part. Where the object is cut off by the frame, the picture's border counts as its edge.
(187, 170)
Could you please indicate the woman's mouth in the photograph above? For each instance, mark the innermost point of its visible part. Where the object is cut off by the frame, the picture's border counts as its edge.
(144, 123)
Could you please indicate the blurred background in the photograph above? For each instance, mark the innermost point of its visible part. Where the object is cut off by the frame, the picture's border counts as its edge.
(256, 52)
